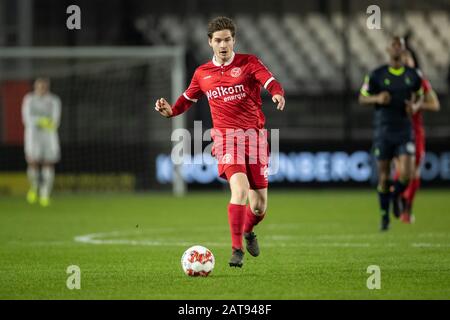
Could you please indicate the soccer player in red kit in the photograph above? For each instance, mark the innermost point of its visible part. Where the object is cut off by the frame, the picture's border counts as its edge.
(430, 103)
(232, 83)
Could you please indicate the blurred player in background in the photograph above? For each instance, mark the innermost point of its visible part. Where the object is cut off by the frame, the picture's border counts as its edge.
(430, 103)
(395, 90)
(41, 112)
(232, 83)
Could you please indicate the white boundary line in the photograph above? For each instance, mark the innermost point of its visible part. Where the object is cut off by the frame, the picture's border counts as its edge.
(107, 238)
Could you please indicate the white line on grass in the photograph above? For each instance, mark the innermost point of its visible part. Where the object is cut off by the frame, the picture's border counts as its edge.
(123, 238)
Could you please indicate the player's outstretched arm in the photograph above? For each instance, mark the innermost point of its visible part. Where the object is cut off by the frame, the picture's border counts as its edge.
(163, 107)
(431, 102)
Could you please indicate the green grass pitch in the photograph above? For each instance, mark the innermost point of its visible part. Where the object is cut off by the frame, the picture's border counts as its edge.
(314, 245)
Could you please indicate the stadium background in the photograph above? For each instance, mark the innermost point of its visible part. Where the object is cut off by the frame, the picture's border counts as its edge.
(108, 216)
(319, 50)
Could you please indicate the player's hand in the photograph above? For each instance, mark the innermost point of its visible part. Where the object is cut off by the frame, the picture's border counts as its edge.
(46, 124)
(279, 99)
(163, 107)
(411, 107)
(384, 97)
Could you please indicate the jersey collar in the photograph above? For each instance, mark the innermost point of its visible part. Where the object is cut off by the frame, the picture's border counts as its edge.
(396, 72)
(217, 64)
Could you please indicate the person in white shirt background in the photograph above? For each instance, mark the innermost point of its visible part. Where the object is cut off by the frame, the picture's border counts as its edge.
(41, 114)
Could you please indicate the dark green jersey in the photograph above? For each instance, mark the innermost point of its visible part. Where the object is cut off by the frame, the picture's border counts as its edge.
(392, 119)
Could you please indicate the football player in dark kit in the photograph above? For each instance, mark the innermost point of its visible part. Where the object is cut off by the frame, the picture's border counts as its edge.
(395, 91)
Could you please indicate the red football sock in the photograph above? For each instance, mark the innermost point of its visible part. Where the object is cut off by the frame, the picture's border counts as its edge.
(251, 219)
(236, 218)
(410, 192)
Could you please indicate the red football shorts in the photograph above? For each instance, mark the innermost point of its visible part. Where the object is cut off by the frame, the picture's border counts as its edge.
(247, 153)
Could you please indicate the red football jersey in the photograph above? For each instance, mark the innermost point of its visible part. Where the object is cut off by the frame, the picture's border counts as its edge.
(417, 118)
(233, 90)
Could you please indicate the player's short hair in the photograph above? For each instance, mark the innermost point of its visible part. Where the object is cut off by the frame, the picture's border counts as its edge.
(219, 24)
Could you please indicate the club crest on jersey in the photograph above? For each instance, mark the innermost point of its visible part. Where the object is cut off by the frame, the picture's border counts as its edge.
(235, 72)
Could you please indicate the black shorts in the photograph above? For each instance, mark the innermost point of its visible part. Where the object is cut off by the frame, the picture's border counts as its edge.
(387, 148)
